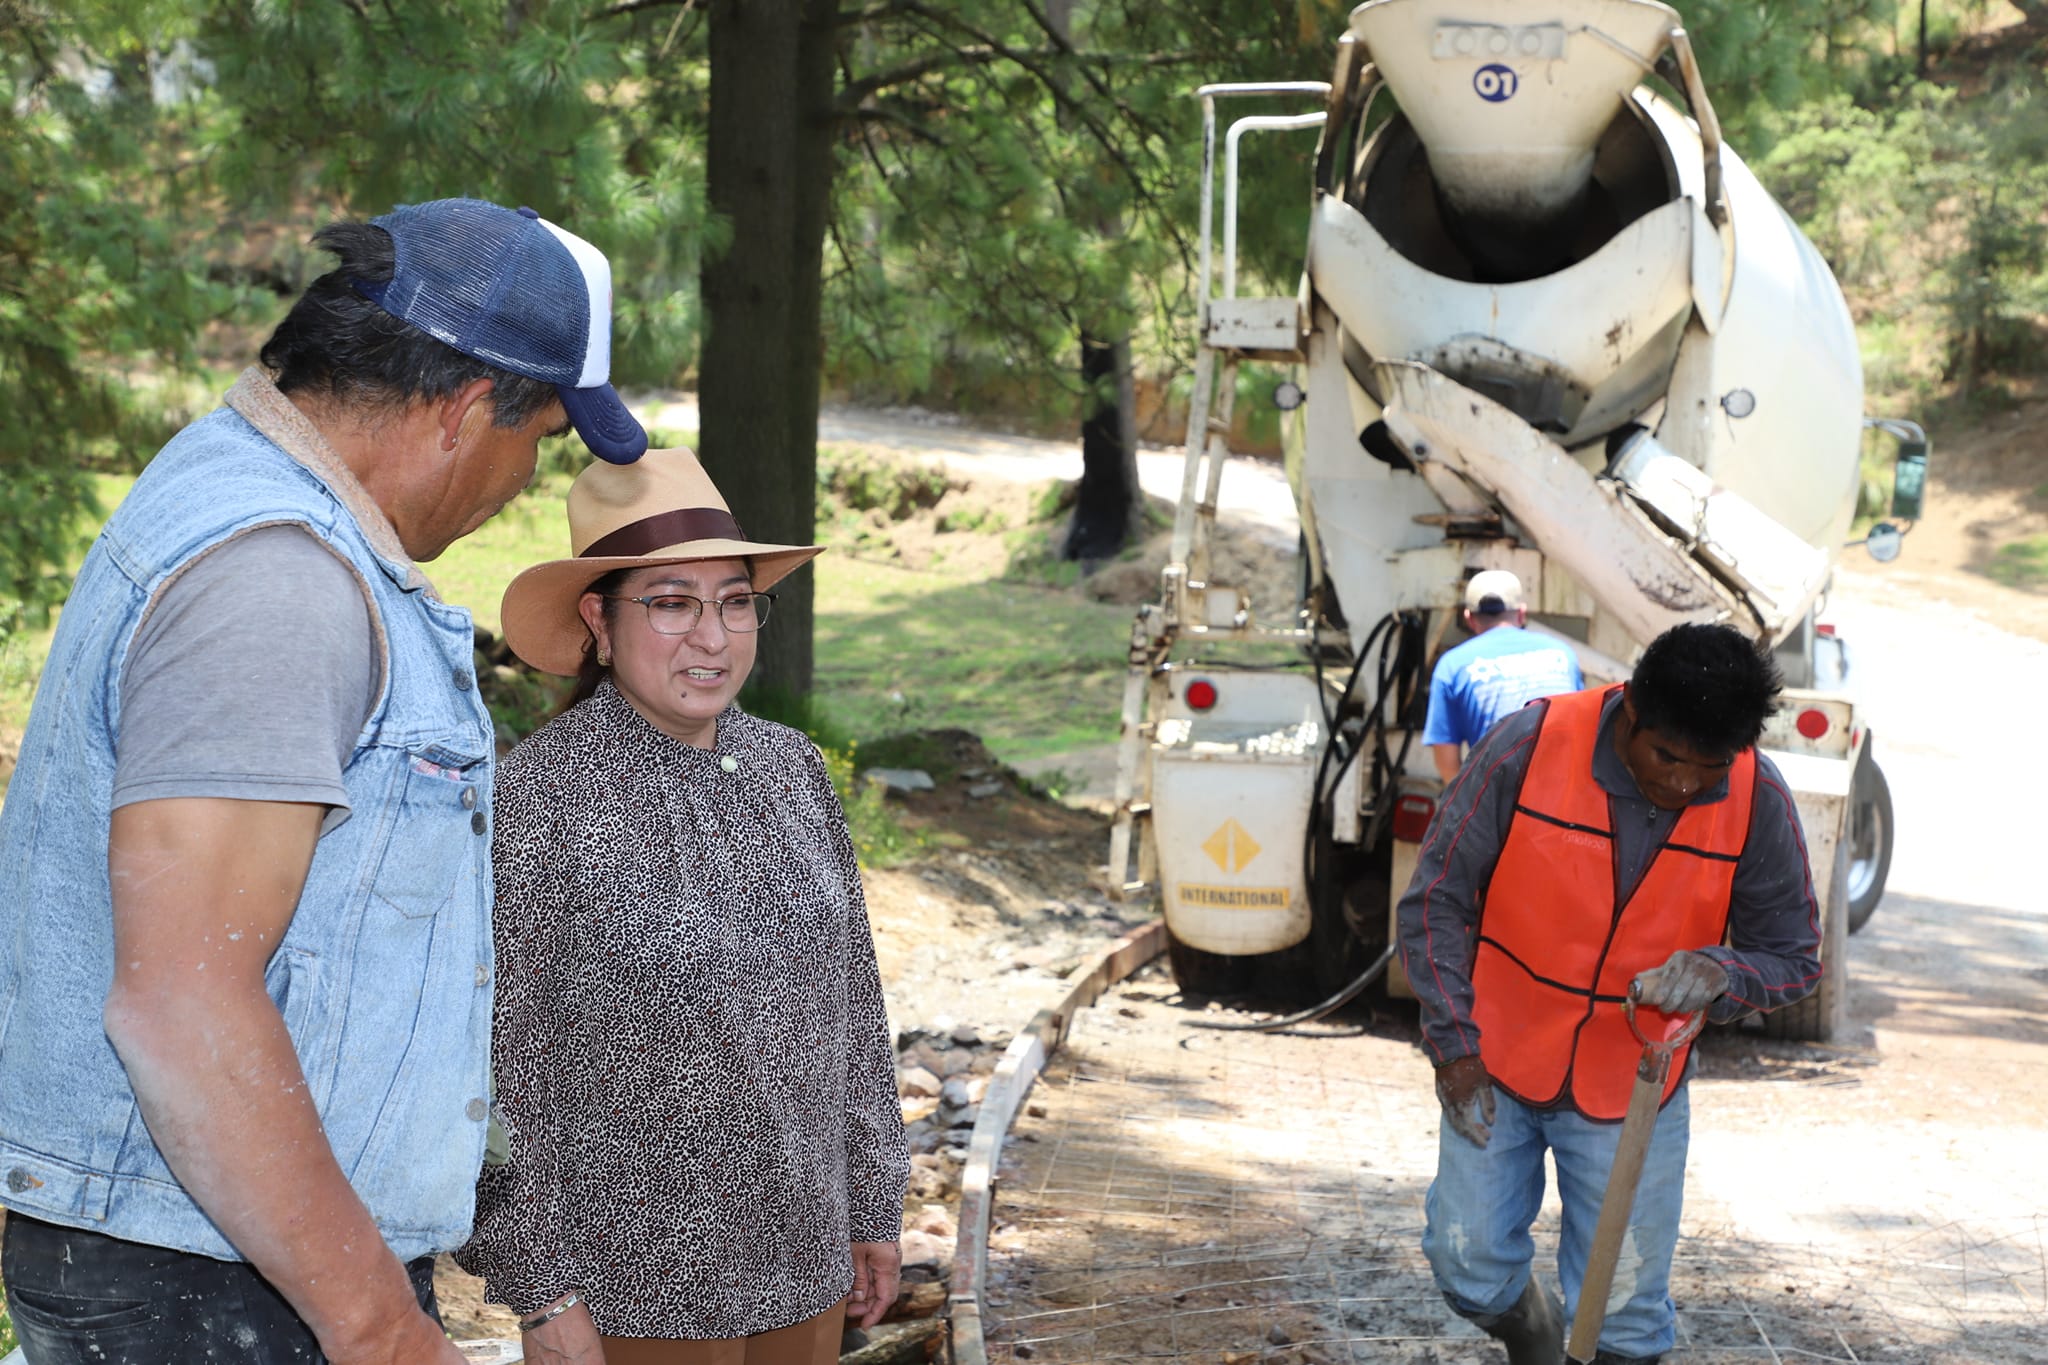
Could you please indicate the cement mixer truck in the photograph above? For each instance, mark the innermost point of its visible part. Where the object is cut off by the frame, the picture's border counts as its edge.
(1550, 323)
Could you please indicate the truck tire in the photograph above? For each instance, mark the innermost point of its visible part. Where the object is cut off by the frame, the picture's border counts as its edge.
(1824, 1015)
(1870, 840)
(1206, 975)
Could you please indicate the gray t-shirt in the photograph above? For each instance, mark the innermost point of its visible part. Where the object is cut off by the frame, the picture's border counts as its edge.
(250, 678)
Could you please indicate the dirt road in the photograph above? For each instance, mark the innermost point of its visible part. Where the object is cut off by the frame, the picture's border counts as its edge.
(1184, 1196)
(1912, 1149)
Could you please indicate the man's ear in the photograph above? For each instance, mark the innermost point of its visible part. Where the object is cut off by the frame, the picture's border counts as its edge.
(454, 414)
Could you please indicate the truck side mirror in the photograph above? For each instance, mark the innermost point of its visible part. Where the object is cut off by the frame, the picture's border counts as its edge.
(1909, 476)
(1909, 481)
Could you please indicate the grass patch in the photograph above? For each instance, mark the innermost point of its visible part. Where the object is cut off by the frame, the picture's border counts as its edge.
(912, 749)
(2021, 564)
(475, 569)
(880, 839)
(1032, 670)
(861, 481)
(21, 663)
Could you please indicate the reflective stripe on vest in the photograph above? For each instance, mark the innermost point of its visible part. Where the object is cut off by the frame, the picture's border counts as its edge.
(1557, 948)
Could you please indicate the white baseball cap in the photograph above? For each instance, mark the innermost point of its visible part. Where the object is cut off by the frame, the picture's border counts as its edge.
(1493, 592)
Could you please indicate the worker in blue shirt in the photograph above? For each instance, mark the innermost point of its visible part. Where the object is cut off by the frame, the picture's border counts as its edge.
(1501, 669)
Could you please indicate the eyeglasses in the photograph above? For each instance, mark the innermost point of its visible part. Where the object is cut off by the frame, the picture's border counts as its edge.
(677, 613)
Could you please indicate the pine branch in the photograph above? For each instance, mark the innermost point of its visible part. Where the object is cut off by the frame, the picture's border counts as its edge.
(624, 7)
(854, 91)
(1031, 61)
(886, 114)
(1067, 49)
(873, 15)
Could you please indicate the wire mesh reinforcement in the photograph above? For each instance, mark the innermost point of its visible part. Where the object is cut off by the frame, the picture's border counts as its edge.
(1170, 1196)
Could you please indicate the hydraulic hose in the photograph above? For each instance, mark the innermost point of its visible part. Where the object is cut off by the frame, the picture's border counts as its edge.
(1314, 1012)
(1392, 666)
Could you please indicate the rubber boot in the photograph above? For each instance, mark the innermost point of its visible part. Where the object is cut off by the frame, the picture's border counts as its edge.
(1532, 1330)
(1610, 1358)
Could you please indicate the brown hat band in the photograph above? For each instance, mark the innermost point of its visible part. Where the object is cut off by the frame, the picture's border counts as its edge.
(667, 528)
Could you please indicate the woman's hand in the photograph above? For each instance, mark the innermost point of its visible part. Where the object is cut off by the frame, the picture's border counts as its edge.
(570, 1339)
(877, 1266)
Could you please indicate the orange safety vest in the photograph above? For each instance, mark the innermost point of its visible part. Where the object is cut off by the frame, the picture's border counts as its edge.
(1557, 947)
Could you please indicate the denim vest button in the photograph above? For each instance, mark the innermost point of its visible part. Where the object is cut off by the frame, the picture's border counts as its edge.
(478, 823)
(19, 1180)
(478, 1111)
(463, 682)
(483, 974)
(469, 798)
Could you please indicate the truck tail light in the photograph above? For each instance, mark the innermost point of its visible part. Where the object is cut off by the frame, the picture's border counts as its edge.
(1412, 815)
(1201, 695)
(1812, 722)
(1826, 628)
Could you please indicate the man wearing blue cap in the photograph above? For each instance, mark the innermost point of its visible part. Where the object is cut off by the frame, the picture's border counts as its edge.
(244, 886)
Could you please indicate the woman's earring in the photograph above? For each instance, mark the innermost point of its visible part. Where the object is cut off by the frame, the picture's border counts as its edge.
(604, 659)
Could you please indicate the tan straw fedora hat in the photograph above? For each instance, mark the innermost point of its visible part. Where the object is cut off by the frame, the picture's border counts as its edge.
(661, 509)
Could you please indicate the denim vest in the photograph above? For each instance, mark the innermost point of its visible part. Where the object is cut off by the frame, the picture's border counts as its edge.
(383, 977)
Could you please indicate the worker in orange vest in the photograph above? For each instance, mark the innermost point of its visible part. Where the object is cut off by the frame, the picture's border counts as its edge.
(1591, 840)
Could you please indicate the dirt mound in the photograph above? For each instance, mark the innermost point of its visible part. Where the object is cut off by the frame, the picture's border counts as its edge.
(925, 516)
(1237, 559)
(920, 515)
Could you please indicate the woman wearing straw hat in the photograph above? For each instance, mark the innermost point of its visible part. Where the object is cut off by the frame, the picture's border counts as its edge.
(694, 1069)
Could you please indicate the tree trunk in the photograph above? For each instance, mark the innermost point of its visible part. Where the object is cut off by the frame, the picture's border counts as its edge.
(1108, 502)
(768, 171)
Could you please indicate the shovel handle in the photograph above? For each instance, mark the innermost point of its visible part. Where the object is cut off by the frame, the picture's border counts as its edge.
(1631, 1148)
(1687, 1031)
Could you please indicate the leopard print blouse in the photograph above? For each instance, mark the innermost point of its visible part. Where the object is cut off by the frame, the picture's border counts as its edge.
(693, 1063)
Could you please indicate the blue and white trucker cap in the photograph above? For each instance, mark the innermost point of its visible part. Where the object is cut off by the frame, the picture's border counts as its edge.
(509, 288)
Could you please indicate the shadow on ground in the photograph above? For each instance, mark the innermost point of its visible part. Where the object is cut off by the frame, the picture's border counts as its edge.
(1175, 1196)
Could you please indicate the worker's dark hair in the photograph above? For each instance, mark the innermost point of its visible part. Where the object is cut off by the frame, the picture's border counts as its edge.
(338, 344)
(1710, 686)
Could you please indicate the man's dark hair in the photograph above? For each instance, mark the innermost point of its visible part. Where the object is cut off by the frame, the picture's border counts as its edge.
(1710, 686)
(337, 343)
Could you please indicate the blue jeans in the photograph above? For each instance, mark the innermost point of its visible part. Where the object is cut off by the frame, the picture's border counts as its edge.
(1483, 1201)
(83, 1298)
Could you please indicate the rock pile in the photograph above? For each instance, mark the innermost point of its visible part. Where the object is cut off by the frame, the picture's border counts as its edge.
(942, 1073)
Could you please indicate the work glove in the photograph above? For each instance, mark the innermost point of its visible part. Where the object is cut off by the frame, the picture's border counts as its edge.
(1687, 983)
(1466, 1093)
